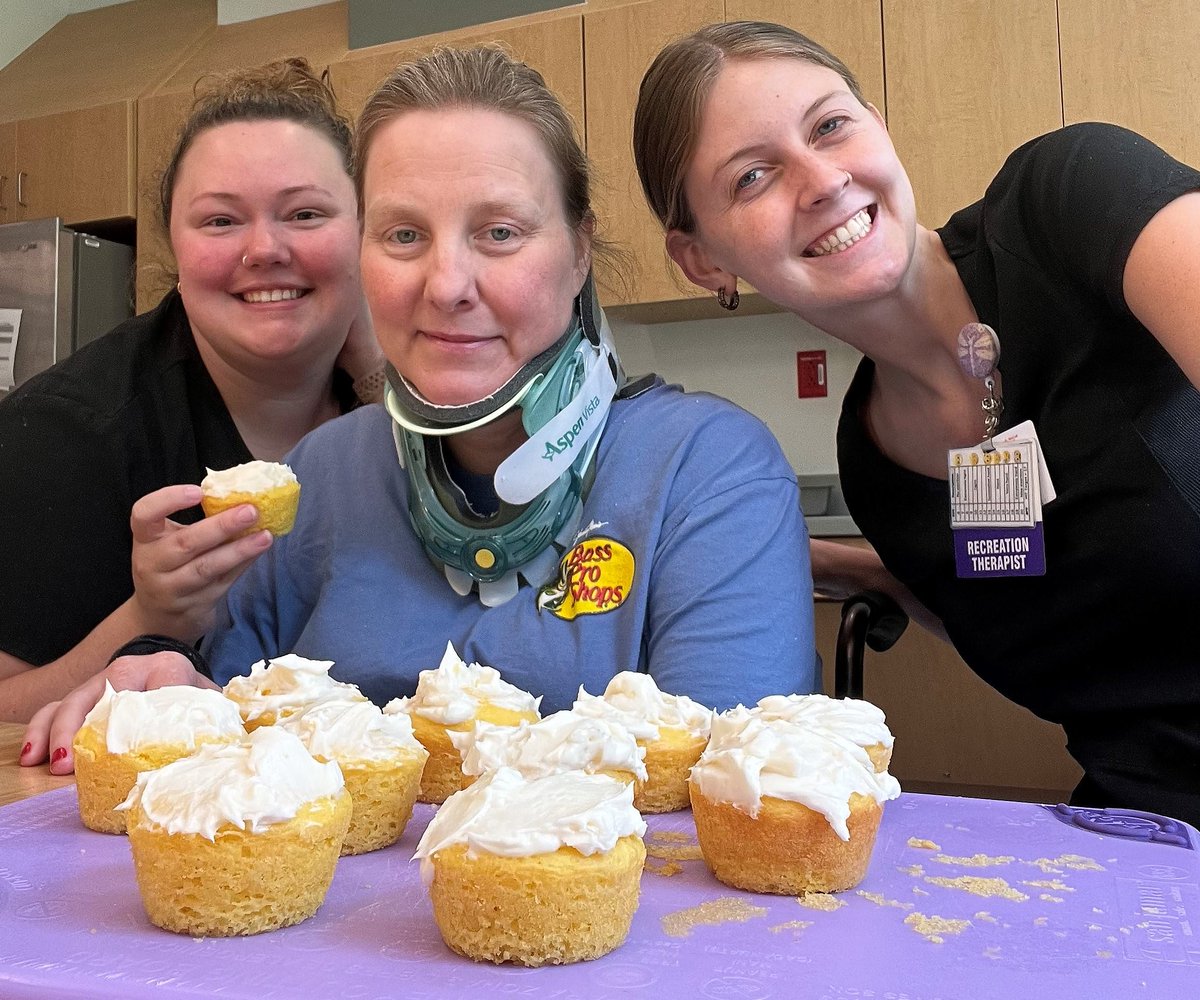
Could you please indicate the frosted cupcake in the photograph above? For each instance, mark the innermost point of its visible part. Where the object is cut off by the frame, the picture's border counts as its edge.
(560, 742)
(860, 722)
(128, 732)
(535, 872)
(239, 838)
(284, 685)
(672, 728)
(781, 808)
(270, 487)
(380, 760)
(453, 698)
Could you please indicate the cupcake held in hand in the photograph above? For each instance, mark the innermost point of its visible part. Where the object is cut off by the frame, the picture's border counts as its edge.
(270, 487)
(535, 872)
(128, 732)
(237, 839)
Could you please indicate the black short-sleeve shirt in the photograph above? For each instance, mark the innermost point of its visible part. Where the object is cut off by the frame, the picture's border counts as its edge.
(1102, 643)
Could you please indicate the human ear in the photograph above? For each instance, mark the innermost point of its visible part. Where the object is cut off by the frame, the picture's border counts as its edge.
(694, 261)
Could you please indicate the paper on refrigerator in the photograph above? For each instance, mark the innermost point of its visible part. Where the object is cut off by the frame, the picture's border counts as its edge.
(10, 327)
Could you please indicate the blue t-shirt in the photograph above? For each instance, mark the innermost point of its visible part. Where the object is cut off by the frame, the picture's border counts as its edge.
(691, 562)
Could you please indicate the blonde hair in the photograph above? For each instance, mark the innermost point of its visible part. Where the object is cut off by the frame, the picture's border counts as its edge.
(284, 90)
(488, 78)
(673, 93)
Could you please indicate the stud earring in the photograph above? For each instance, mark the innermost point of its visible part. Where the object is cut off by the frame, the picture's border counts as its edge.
(730, 303)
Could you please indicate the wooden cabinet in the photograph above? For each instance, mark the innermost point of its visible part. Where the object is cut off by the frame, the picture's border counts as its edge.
(8, 172)
(852, 30)
(619, 45)
(1142, 74)
(77, 164)
(70, 104)
(954, 733)
(553, 48)
(967, 83)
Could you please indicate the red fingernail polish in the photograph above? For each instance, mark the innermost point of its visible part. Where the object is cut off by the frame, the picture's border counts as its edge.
(59, 754)
(26, 748)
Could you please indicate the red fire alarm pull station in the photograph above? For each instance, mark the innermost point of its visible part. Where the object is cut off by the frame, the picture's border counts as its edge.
(811, 374)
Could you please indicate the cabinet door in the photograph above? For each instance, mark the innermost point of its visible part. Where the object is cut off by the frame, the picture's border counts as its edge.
(619, 45)
(967, 83)
(553, 48)
(78, 165)
(8, 171)
(1142, 76)
(159, 119)
(852, 30)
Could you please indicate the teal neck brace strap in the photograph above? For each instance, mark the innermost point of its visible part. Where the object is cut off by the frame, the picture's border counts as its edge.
(563, 396)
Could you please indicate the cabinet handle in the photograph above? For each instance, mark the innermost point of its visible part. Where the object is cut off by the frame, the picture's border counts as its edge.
(20, 186)
(3, 181)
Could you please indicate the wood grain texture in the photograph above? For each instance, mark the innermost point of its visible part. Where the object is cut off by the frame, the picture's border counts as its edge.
(18, 782)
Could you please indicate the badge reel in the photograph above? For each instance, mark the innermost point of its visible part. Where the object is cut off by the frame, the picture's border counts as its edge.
(997, 488)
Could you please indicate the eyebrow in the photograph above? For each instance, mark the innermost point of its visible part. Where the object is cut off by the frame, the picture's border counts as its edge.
(754, 147)
(286, 192)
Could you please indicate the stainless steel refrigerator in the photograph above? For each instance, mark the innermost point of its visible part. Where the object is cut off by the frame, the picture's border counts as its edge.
(59, 289)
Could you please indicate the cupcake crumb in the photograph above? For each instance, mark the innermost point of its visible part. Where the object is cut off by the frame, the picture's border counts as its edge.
(791, 925)
(689, 852)
(666, 870)
(979, 886)
(975, 861)
(933, 928)
(820, 901)
(922, 844)
(726, 910)
(879, 900)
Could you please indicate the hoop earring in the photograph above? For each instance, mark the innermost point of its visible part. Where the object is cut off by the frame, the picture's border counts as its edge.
(730, 303)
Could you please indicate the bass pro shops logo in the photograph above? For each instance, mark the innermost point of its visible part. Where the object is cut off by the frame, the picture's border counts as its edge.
(593, 577)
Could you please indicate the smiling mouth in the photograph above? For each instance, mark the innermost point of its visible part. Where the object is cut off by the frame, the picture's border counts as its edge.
(273, 294)
(843, 237)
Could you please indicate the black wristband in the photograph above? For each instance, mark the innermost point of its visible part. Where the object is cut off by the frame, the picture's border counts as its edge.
(143, 645)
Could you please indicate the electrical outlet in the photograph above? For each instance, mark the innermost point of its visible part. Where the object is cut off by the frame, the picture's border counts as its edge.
(811, 375)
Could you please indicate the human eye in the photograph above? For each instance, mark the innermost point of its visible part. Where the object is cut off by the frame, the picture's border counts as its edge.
(831, 124)
(404, 237)
(500, 234)
(306, 215)
(749, 177)
(218, 222)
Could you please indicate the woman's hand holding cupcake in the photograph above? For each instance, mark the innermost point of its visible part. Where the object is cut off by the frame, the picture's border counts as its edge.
(181, 571)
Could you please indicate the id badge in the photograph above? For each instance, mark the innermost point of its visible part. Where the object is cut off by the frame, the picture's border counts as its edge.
(996, 496)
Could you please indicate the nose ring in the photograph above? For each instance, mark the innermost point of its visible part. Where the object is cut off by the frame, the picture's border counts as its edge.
(244, 256)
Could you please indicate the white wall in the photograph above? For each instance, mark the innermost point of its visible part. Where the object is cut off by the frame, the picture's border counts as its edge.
(752, 361)
(25, 21)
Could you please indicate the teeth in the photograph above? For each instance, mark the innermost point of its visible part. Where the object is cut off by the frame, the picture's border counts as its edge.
(842, 238)
(272, 295)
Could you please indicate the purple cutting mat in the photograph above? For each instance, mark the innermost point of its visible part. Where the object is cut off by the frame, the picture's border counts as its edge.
(1116, 917)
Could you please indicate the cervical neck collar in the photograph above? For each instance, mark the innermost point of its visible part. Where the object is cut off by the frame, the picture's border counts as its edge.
(564, 394)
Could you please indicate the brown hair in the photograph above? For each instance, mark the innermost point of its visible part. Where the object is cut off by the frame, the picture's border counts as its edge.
(675, 88)
(488, 78)
(284, 90)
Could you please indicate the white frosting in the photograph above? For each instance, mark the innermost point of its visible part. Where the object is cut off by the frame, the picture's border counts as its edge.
(750, 757)
(858, 721)
(175, 715)
(285, 684)
(503, 813)
(352, 731)
(563, 741)
(250, 477)
(454, 692)
(262, 780)
(635, 701)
